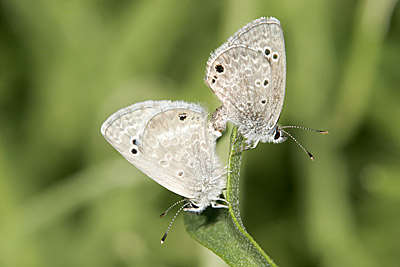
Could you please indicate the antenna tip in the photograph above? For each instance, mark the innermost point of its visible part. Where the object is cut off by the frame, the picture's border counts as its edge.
(324, 132)
(310, 155)
(163, 214)
(163, 238)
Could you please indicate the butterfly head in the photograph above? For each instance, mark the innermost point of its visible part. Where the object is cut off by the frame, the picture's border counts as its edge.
(278, 135)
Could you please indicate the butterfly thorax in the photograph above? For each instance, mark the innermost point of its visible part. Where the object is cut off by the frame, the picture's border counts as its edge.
(258, 130)
(255, 129)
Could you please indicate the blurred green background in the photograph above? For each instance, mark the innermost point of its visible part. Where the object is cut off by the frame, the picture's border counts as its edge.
(67, 198)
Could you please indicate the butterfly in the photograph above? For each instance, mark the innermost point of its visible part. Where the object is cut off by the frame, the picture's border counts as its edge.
(174, 144)
(248, 76)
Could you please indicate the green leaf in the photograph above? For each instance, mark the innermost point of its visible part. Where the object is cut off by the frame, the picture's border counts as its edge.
(222, 230)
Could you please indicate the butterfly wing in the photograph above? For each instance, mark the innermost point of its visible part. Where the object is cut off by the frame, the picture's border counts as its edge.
(125, 127)
(241, 82)
(240, 78)
(181, 147)
(175, 145)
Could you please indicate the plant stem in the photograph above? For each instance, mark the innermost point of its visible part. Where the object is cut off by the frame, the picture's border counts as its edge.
(222, 230)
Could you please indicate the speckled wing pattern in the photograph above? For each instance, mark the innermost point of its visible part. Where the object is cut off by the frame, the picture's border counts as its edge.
(172, 143)
(248, 74)
(126, 125)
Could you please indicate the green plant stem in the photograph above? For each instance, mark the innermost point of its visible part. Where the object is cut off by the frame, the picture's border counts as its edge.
(222, 230)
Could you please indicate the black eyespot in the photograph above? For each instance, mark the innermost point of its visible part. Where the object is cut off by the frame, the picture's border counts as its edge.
(263, 101)
(277, 135)
(182, 116)
(134, 151)
(275, 56)
(219, 68)
(267, 52)
(180, 173)
(266, 82)
(213, 80)
(134, 141)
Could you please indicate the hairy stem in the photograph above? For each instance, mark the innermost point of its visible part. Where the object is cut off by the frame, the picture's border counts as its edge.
(222, 230)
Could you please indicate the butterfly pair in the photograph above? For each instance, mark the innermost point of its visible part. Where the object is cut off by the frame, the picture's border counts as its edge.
(174, 143)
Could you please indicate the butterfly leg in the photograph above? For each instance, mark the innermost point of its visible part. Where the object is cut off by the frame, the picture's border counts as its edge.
(252, 145)
(223, 200)
(247, 147)
(215, 204)
(219, 118)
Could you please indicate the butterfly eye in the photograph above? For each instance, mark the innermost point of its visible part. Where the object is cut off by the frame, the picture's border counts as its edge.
(277, 134)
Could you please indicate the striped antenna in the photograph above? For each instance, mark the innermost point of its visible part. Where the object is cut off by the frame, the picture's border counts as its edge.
(300, 145)
(173, 205)
(173, 219)
(305, 128)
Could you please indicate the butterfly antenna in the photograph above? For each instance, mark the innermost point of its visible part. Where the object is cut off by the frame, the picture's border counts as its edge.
(305, 128)
(173, 219)
(173, 205)
(298, 143)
